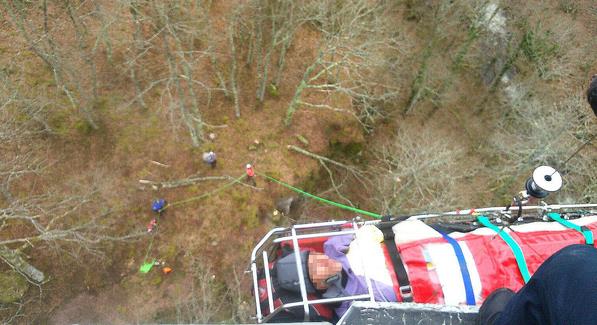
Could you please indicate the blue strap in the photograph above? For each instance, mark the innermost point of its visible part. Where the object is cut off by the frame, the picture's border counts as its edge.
(466, 278)
(583, 230)
(516, 250)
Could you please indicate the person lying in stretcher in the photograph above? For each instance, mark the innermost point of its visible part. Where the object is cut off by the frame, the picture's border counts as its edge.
(443, 266)
(338, 272)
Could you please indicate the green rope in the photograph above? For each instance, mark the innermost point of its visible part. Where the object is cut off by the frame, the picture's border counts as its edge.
(585, 232)
(202, 196)
(516, 250)
(336, 204)
(145, 267)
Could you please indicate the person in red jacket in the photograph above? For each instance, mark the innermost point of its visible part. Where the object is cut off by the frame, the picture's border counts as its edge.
(250, 175)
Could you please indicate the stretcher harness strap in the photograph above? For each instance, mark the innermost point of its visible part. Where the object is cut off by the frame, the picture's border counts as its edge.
(405, 290)
(587, 233)
(516, 250)
(466, 277)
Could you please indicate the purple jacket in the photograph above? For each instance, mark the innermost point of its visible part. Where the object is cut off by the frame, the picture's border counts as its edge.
(336, 248)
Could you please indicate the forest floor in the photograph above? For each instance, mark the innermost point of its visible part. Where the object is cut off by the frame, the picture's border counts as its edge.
(207, 242)
(219, 230)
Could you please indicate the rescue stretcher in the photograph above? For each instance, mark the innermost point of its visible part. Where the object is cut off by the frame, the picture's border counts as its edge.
(560, 225)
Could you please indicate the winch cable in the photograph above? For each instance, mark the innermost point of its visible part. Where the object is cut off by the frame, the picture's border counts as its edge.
(146, 266)
(591, 138)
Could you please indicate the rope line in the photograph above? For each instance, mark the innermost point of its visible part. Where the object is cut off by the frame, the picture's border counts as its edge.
(151, 241)
(320, 199)
(182, 202)
(195, 198)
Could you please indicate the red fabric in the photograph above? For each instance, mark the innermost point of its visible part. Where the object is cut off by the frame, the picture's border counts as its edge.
(424, 290)
(311, 244)
(494, 260)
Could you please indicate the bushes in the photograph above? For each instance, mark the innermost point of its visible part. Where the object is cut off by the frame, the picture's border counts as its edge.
(539, 48)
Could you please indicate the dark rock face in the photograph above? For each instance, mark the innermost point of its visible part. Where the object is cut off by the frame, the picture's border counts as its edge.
(288, 205)
(592, 94)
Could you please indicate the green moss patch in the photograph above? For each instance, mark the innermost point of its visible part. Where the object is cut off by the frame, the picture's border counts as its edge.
(12, 287)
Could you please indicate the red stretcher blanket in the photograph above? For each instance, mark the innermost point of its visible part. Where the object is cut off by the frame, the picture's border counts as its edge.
(435, 274)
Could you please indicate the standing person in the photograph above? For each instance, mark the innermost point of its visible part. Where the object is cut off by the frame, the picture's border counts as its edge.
(152, 224)
(158, 206)
(210, 158)
(250, 175)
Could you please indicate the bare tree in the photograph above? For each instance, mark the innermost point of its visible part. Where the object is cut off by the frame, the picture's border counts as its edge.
(39, 219)
(349, 63)
(177, 31)
(59, 58)
(139, 45)
(231, 33)
(533, 133)
(207, 293)
(275, 24)
(212, 40)
(421, 170)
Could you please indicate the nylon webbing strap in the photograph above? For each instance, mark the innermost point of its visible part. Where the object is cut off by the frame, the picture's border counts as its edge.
(587, 233)
(516, 250)
(466, 277)
(405, 290)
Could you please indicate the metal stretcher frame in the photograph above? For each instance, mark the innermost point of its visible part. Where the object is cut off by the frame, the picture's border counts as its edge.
(294, 234)
(338, 228)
